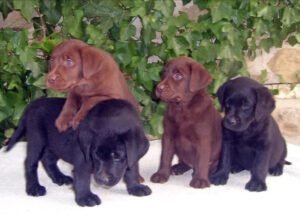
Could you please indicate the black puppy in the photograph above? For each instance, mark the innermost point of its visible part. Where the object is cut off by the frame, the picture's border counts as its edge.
(107, 144)
(251, 137)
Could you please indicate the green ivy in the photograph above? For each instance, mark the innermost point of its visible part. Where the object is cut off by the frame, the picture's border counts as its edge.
(220, 39)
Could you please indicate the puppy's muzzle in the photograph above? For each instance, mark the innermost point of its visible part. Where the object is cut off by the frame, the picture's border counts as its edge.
(159, 89)
(232, 121)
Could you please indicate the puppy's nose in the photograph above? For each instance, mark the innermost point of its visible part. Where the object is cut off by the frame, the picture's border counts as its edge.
(160, 87)
(51, 79)
(232, 121)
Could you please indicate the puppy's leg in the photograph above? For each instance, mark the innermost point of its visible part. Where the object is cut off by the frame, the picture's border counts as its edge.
(164, 171)
(82, 180)
(277, 170)
(34, 152)
(259, 171)
(180, 168)
(63, 122)
(221, 176)
(131, 179)
(201, 166)
(49, 161)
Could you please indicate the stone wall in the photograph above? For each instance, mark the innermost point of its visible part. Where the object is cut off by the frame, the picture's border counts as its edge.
(283, 67)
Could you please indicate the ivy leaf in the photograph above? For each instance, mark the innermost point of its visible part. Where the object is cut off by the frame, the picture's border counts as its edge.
(267, 12)
(290, 16)
(230, 52)
(73, 23)
(27, 8)
(220, 10)
(266, 44)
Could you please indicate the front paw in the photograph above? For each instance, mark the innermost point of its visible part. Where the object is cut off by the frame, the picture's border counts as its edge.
(76, 121)
(255, 185)
(159, 178)
(180, 168)
(139, 190)
(63, 180)
(199, 183)
(36, 190)
(63, 122)
(219, 178)
(89, 200)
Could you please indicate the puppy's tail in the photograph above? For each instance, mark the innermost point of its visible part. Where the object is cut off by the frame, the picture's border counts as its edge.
(287, 162)
(18, 134)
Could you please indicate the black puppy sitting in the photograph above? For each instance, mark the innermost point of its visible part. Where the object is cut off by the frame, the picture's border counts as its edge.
(107, 144)
(251, 137)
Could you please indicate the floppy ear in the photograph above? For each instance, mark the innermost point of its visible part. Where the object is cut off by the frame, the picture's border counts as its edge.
(136, 145)
(265, 103)
(91, 61)
(220, 94)
(200, 77)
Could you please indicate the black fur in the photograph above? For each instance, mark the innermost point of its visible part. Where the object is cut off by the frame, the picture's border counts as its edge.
(251, 137)
(108, 144)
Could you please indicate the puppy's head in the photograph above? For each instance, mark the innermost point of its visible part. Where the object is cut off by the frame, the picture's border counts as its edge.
(244, 101)
(110, 162)
(64, 67)
(73, 62)
(112, 154)
(182, 78)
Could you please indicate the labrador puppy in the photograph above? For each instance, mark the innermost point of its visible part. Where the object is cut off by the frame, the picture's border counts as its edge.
(89, 76)
(251, 138)
(192, 126)
(107, 145)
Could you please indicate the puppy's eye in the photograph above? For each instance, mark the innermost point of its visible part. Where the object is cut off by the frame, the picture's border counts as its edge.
(116, 156)
(246, 105)
(177, 76)
(69, 62)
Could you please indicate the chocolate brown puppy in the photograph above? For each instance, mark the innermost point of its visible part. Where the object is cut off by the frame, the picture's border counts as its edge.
(192, 126)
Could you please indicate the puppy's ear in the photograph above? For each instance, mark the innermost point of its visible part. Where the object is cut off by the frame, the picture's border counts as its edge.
(220, 94)
(200, 77)
(136, 146)
(265, 103)
(92, 61)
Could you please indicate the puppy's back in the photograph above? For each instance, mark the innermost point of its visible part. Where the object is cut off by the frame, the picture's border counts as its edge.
(36, 114)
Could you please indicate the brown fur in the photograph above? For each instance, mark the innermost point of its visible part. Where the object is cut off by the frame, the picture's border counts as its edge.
(89, 75)
(192, 126)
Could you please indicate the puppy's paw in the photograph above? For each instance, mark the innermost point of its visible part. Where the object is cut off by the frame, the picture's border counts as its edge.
(219, 178)
(159, 178)
(199, 183)
(75, 123)
(139, 190)
(63, 180)
(63, 122)
(277, 170)
(254, 185)
(180, 168)
(36, 190)
(89, 200)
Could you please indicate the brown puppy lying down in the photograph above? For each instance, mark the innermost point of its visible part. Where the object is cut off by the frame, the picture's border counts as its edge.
(89, 75)
(192, 126)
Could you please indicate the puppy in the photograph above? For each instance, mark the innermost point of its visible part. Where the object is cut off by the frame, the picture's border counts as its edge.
(89, 76)
(192, 126)
(251, 138)
(107, 145)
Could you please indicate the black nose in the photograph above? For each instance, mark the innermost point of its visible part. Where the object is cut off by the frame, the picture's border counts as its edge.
(232, 121)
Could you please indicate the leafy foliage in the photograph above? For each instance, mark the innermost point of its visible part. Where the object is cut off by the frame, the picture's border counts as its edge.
(220, 38)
